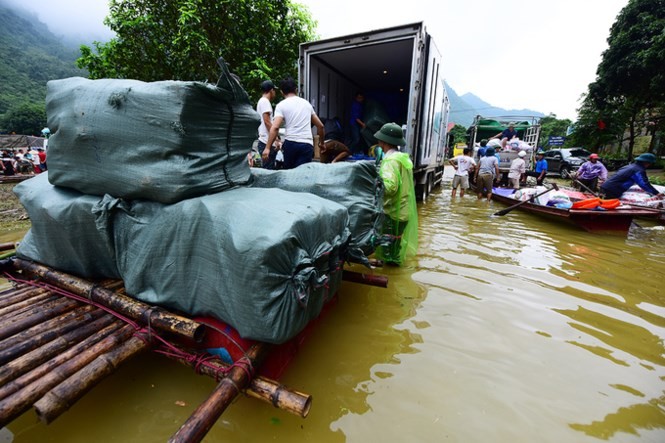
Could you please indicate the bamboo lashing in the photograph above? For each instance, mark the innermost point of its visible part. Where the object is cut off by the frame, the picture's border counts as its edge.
(64, 395)
(21, 400)
(21, 347)
(47, 351)
(23, 305)
(46, 326)
(37, 315)
(17, 295)
(261, 388)
(48, 366)
(145, 314)
(365, 279)
(205, 416)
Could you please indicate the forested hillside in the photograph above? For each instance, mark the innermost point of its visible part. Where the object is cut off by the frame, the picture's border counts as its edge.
(30, 55)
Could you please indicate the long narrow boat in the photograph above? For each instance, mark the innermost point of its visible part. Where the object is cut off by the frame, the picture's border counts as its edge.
(616, 221)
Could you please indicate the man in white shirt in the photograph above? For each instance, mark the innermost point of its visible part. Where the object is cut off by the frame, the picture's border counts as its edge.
(298, 117)
(462, 164)
(517, 170)
(264, 109)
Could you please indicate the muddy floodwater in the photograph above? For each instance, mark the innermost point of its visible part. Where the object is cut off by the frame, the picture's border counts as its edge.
(504, 329)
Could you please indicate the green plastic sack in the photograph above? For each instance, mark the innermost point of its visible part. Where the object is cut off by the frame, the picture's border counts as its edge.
(262, 260)
(66, 233)
(162, 141)
(354, 185)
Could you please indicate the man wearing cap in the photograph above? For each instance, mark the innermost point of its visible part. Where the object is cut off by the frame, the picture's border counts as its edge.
(399, 197)
(541, 168)
(264, 109)
(298, 117)
(629, 175)
(592, 173)
(517, 170)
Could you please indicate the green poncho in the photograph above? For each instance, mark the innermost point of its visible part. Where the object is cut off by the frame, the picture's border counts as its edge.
(399, 205)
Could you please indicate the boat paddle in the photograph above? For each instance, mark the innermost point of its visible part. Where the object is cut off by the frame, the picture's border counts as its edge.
(585, 187)
(507, 210)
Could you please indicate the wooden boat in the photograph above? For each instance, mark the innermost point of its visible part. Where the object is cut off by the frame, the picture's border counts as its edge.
(616, 221)
(14, 178)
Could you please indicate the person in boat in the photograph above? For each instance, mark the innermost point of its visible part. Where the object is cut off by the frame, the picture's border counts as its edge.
(632, 174)
(399, 197)
(540, 170)
(463, 164)
(487, 173)
(517, 172)
(592, 173)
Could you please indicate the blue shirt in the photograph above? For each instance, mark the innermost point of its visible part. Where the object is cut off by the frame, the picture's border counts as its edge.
(507, 133)
(541, 165)
(356, 112)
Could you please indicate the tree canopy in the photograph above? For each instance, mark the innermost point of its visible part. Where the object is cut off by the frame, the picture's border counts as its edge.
(629, 90)
(182, 39)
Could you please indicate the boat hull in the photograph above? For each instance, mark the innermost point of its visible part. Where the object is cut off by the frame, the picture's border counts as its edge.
(617, 221)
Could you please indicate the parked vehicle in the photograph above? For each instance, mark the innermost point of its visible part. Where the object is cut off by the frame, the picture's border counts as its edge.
(399, 71)
(566, 160)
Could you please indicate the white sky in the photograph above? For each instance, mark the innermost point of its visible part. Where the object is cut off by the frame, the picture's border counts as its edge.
(536, 54)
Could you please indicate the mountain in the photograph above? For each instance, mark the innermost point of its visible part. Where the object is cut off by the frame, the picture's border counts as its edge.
(30, 55)
(463, 109)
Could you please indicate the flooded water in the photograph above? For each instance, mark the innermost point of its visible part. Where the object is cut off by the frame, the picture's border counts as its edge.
(504, 329)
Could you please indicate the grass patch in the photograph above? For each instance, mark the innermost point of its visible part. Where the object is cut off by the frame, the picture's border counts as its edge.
(13, 215)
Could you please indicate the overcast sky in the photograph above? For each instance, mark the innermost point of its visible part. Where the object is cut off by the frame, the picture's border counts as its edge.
(536, 54)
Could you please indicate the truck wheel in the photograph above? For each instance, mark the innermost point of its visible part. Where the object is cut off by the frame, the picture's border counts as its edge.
(430, 183)
(565, 172)
(421, 192)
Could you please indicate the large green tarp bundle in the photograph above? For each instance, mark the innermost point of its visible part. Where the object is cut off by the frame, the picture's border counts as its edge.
(262, 260)
(65, 233)
(354, 185)
(162, 141)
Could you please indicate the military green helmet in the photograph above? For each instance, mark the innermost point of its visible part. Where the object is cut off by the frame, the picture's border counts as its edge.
(392, 134)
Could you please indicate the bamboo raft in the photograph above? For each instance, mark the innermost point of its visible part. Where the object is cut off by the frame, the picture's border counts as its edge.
(61, 335)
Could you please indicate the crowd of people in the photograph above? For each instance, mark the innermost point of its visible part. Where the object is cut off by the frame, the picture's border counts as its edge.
(22, 161)
(296, 147)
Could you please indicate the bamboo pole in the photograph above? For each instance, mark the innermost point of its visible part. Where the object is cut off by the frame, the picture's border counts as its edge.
(64, 395)
(51, 300)
(136, 310)
(15, 296)
(205, 416)
(7, 254)
(37, 356)
(365, 279)
(50, 324)
(7, 246)
(22, 347)
(48, 366)
(39, 315)
(19, 402)
(261, 388)
(21, 306)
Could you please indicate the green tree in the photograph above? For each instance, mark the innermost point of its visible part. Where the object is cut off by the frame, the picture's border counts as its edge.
(27, 119)
(182, 39)
(458, 134)
(629, 90)
(550, 126)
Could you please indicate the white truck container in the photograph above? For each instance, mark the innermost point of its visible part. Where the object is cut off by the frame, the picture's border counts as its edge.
(400, 70)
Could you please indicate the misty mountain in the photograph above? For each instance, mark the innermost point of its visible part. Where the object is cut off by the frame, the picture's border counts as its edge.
(30, 55)
(463, 109)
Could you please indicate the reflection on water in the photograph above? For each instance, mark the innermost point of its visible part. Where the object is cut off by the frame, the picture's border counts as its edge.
(504, 329)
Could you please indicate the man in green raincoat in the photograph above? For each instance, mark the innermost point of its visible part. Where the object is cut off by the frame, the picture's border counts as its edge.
(399, 197)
